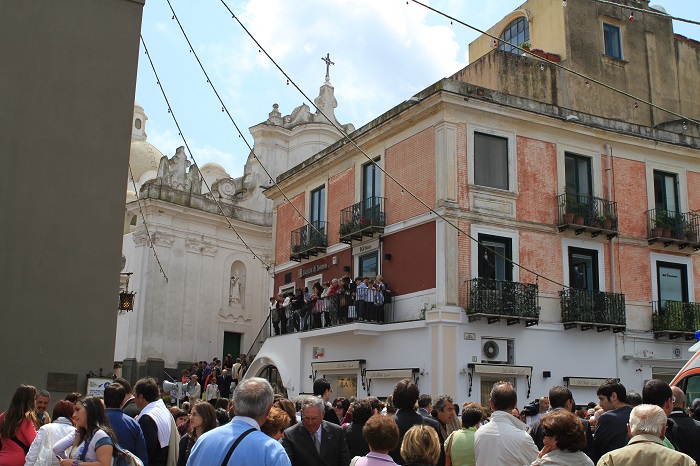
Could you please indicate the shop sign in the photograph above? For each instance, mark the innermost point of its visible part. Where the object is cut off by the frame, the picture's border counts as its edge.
(391, 374)
(96, 386)
(335, 365)
(502, 369)
(592, 382)
(312, 270)
(365, 248)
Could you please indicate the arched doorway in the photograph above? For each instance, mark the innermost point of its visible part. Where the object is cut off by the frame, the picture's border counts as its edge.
(272, 375)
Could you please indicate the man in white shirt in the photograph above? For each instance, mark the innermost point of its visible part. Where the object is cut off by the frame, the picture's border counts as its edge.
(504, 441)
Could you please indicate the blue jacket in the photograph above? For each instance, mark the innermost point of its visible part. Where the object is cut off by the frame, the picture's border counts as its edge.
(257, 449)
(129, 434)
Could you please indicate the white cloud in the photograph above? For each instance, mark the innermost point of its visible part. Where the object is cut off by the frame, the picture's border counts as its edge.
(384, 51)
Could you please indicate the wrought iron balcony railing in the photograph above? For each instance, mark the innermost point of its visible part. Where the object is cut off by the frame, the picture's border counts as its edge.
(365, 218)
(675, 318)
(669, 227)
(593, 308)
(309, 240)
(497, 298)
(587, 213)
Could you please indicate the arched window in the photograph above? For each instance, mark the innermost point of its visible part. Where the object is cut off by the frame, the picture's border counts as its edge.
(517, 32)
(137, 123)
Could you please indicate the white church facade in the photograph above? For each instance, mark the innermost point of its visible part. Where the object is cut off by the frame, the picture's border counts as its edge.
(216, 296)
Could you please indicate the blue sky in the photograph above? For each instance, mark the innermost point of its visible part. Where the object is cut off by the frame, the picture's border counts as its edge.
(384, 52)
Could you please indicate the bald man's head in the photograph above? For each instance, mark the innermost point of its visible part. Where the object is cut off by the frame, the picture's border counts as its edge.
(679, 398)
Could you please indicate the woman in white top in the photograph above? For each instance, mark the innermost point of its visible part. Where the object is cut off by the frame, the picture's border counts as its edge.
(91, 443)
(212, 387)
(192, 389)
(41, 451)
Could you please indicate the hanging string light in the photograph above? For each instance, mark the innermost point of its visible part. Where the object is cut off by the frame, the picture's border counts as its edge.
(238, 129)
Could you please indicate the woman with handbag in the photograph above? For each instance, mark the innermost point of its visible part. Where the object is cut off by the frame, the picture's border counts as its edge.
(17, 429)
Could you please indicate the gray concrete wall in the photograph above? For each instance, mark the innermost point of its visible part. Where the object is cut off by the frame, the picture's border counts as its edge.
(66, 103)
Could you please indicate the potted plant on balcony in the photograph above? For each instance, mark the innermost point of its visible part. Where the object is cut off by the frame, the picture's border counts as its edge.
(609, 220)
(691, 233)
(662, 225)
(571, 207)
(345, 229)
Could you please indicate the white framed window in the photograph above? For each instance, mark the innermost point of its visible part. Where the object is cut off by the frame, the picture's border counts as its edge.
(491, 158)
(489, 235)
(567, 156)
(583, 264)
(309, 281)
(680, 194)
(671, 278)
(289, 287)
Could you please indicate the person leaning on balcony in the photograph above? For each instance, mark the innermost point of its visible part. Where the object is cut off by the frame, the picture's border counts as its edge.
(343, 299)
(326, 295)
(381, 290)
(361, 299)
(317, 300)
(274, 316)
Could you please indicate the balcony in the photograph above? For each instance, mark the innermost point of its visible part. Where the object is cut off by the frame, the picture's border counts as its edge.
(587, 214)
(496, 299)
(309, 240)
(593, 309)
(675, 319)
(673, 228)
(366, 218)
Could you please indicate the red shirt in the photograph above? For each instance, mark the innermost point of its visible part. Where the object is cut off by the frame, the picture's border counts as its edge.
(11, 453)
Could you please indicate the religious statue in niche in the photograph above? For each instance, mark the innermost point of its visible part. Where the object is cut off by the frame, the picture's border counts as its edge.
(236, 287)
(236, 295)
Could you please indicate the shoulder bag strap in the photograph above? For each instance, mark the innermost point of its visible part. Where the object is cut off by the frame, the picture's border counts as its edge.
(235, 444)
(21, 444)
(85, 448)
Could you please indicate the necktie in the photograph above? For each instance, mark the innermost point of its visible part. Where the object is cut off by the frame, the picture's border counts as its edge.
(317, 442)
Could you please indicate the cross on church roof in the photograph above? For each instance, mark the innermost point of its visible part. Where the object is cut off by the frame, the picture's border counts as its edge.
(327, 60)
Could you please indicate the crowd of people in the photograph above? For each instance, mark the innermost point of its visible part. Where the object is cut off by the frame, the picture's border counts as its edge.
(335, 302)
(258, 427)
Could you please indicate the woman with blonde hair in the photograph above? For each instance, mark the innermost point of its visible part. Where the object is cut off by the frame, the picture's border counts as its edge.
(17, 430)
(275, 424)
(420, 446)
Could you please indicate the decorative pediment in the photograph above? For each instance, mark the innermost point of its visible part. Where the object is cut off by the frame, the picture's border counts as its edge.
(179, 173)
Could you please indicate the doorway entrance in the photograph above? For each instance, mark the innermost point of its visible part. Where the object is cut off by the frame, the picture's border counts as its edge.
(232, 345)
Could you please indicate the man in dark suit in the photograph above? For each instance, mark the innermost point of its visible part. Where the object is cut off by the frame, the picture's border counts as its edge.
(129, 404)
(404, 397)
(686, 431)
(361, 412)
(313, 441)
(322, 389)
(425, 405)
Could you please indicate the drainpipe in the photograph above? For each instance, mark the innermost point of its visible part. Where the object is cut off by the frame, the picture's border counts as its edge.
(608, 152)
(611, 251)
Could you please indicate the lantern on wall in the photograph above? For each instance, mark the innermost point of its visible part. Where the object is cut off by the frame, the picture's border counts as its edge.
(126, 297)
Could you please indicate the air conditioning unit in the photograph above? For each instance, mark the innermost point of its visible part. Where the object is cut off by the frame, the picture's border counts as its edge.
(494, 351)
